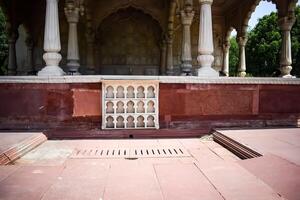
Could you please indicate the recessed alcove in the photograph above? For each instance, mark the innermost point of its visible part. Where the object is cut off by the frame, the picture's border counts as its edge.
(130, 92)
(140, 107)
(110, 107)
(110, 122)
(150, 121)
(140, 92)
(120, 92)
(120, 122)
(109, 92)
(130, 107)
(150, 92)
(150, 107)
(120, 107)
(140, 122)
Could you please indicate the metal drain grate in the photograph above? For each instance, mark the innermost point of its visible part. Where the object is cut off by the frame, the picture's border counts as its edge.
(130, 153)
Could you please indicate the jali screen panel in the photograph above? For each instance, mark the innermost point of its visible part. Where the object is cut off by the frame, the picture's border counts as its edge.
(130, 104)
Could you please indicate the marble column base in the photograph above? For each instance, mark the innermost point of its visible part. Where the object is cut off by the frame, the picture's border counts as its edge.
(242, 74)
(11, 72)
(170, 72)
(73, 67)
(186, 68)
(51, 71)
(207, 72)
(89, 71)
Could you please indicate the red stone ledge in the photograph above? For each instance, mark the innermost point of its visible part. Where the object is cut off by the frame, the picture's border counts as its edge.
(162, 79)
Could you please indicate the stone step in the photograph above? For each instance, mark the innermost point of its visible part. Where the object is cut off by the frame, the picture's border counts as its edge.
(20, 144)
(235, 147)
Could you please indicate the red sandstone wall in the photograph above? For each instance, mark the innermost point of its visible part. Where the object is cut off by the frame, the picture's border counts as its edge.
(198, 106)
(44, 106)
(228, 105)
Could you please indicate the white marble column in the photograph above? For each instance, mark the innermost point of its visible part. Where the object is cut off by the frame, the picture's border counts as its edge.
(242, 41)
(12, 57)
(170, 67)
(72, 15)
(90, 39)
(226, 48)
(187, 16)
(163, 58)
(206, 46)
(52, 45)
(285, 25)
(90, 56)
(170, 35)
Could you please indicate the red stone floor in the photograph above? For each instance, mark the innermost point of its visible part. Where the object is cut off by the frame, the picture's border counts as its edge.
(207, 171)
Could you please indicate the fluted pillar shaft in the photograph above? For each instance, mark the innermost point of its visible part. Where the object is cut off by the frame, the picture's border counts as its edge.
(52, 44)
(205, 45)
(12, 57)
(225, 69)
(242, 41)
(72, 15)
(285, 25)
(187, 16)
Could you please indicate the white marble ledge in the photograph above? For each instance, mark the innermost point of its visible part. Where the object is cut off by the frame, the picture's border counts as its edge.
(161, 79)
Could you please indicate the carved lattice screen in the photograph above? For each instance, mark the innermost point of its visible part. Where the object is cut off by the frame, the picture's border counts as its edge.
(130, 104)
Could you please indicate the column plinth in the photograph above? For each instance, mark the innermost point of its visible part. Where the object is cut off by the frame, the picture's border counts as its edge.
(52, 44)
(285, 25)
(187, 16)
(242, 41)
(205, 46)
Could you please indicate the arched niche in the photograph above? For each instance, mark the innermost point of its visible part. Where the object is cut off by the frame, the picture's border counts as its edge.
(128, 43)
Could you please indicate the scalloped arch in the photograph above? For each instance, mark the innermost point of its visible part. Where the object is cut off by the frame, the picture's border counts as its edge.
(127, 5)
(251, 10)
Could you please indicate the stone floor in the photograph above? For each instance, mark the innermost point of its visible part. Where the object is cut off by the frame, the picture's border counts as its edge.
(206, 171)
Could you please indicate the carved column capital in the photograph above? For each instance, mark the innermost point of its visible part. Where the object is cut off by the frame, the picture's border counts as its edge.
(242, 41)
(226, 46)
(169, 37)
(72, 12)
(286, 23)
(13, 33)
(187, 17)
